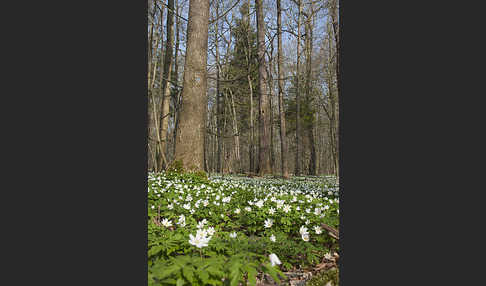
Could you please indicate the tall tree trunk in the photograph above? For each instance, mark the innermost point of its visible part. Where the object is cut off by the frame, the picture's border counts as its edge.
(337, 36)
(215, 142)
(297, 121)
(152, 143)
(156, 97)
(165, 87)
(272, 150)
(283, 137)
(175, 78)
(264, 143)
(270, 99)
(308, 89)
(218, 103)
(190, 135)
(236, 136)
(251, 147)
(225, 162)
(332, 105)
(334, 17)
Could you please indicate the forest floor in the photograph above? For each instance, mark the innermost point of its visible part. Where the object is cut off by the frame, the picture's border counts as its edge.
(233, 230)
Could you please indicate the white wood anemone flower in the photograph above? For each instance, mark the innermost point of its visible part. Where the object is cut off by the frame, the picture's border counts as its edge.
(166, 222)
(305, 237)
(274, 259)
(303, 230)
(199, 241)
(272, 238)
(268, 222)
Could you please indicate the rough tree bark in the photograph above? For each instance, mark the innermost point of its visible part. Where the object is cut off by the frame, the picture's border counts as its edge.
(337, 36)
(251, 147)
(150, 40)
(264, 143)
(283, 137)
(297, 120)
(192, 129)
(310, 127)
(270, 97)
(175, 77)
(165, 87)
(218, 97)
(332, 109)
(235, 130)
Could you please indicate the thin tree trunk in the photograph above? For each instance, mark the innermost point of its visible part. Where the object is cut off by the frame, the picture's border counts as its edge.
(332, 108)
(175, 78)
(156, 117)
(310, 127)
(334, 17)
(251, 147)
(252, 129)
(283, 137)
(152, 145)
(270, 99)
(156, 99)
(336, 30)
(215, 143)
(236, 137)
(165, 87)
(235, 129)
(218, 103)
(225, 163)
(297, 121)
(151, 38)
(272, 149)
(158, 39)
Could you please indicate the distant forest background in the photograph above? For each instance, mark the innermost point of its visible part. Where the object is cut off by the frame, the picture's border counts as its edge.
(260, 97)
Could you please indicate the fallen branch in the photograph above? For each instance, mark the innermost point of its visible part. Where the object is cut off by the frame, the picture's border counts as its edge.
(331, 230)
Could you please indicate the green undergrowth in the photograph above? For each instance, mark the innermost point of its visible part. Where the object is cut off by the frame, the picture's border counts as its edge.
(243, 221)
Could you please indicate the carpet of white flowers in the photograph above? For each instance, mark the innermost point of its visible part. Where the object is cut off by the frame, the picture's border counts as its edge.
(229, 230)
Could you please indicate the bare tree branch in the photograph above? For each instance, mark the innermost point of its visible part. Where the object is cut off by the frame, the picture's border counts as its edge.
(211, 21)
(172, 11)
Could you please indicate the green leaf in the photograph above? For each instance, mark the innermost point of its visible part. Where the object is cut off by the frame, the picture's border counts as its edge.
(155, 249)
(252, 273)
(215, 271)
(280, 273)
(188, 273)
(169, 281)
(204, 275)
(272, 272)
(234, 269)
(235, 279)
(214, 282)
(166, 272)
(180, 282)
(181, 261)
